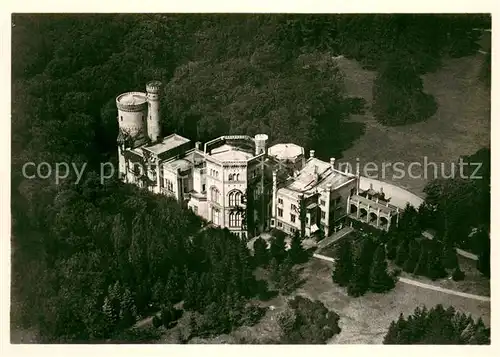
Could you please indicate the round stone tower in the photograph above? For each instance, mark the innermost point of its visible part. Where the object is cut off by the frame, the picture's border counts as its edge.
(153, 123)
(132, 111)
(260, 143)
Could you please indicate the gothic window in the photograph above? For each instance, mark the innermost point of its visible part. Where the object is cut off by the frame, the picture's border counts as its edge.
(234, 198)
(214, 194)
(215, 216)
(169, 185)
(235, 219)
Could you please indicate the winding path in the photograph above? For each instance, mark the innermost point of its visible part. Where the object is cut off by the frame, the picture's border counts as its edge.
(424, 285)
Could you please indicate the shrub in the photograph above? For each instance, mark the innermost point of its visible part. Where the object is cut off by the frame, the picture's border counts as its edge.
(458, 275)
(156, 321)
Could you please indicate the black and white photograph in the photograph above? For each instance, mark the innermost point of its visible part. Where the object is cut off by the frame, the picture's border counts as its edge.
(250, 178)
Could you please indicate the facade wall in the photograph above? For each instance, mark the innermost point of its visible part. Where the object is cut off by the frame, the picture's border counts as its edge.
(170, 183)
(338, 203)
(284, 211)
(133, 122)
(199, 179)
(199, 207)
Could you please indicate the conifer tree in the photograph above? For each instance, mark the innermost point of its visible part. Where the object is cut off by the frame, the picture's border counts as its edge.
(450, 259)
(380, 280)
(413, 255)
(167, 314)
(278, 247)
(191, 293)
(402, 253)
(261, 253)
(422, 264)
(296, 252)
(392, 246)
(128, 311)
(343, 265)
(173, 286)
(435, 264)
(359, 283)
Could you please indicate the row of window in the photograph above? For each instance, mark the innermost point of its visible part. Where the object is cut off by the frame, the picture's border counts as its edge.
(292, 230)
(121, 118)
(293, 217)
(214, 173)
(235, 197)
(234, 177)
(235, 218)
(321, 202)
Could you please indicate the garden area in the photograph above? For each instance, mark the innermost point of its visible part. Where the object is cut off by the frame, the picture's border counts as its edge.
(362, 320)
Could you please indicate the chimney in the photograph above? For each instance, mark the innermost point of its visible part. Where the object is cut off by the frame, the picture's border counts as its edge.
(332, 163)
(329, 186)
(197, 145)
(311, 154)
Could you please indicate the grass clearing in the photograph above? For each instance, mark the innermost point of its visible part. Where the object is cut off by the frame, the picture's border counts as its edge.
(460, 126)
(363, 320)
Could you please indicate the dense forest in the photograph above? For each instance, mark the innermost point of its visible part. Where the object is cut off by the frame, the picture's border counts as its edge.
(90, 259)
(437, 326)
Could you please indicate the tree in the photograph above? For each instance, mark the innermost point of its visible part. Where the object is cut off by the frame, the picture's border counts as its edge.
(343, 265)
(296, 252)
(128, 310)
(168, 314)
(380, 280)
(422, 267)
(435, 265)
(398, 96)
(278, 247)
(261, 253)
(402, 253)
(286, 277)
(450, 259)
(437, 326)
(458, 275)
(358, 284)
(414, 254)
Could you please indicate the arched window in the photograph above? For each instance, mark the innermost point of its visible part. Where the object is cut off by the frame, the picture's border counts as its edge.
(230, 178)
(235, 219)
(237, 177)
(214, 194)
(215, 216)
(235, 198)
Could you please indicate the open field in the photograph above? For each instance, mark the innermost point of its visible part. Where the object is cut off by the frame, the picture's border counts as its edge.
(460, 126)
(363, 320)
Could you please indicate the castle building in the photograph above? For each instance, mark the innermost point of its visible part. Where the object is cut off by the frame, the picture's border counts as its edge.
(226, 176)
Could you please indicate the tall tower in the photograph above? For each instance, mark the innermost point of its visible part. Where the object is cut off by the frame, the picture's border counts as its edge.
(260, 143)
(132, 111)
(153, 123)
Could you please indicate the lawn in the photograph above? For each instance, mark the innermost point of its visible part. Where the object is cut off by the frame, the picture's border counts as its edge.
(460, 126)
(363, 320)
